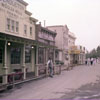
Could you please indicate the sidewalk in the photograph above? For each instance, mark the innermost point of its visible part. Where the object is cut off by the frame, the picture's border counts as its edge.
(52, 88)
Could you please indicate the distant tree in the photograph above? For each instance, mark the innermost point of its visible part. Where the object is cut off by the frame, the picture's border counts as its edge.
(94, 53)
(98, 48)
(98, 51)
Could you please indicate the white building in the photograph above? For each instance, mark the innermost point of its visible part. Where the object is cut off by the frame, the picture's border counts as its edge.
(71, 43)
(71, 39)
(77, 54)
(17, 35)
(69, 53)
(61, 41)
(82, 55)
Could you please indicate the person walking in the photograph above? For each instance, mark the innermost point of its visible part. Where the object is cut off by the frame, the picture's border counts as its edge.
(91, 61)
(88, 61)
(50, 67)
(85, 61)
(94, 61)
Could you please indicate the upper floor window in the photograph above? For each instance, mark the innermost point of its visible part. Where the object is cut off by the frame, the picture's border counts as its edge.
(30, 30)
(17, 26)
(25, 29)
(12, 25)
(8, 24)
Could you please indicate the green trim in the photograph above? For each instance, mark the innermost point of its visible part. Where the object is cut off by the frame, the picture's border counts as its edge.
(21, 40)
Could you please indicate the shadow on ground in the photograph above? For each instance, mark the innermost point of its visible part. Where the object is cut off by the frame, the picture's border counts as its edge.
(88, 91)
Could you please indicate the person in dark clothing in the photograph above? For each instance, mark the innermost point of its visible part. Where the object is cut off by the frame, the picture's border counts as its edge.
(86, 62)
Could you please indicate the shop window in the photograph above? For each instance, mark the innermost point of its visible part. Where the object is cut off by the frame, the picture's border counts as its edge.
(27, 55)
(56, 54)
(8, 24)
(50, 54)
(17, 27)
(15, 55)
(1, 56)
(40, 55)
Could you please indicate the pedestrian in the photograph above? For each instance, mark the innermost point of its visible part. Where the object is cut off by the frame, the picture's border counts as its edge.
(94, 61)
(85, 61)
(88, 61)
(50, 67)
(91, 61)
(98, 60)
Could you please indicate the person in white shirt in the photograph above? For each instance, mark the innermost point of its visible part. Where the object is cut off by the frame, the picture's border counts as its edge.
(88, 61)
(91, 61)
(50, 67)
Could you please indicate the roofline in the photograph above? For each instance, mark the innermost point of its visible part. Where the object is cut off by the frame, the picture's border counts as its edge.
(72, 36)
(33, 19)
(27, 12)
(45, 28)
(23, 2)
(58, 26)
(49, 30)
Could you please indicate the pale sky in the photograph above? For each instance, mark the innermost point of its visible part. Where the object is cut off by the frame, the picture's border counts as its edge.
(81, 16)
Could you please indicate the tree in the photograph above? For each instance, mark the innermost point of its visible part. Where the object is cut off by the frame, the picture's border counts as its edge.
(94, 53)
(98, 51)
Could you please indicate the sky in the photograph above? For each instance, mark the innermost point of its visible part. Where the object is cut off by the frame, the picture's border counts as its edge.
(81, 16)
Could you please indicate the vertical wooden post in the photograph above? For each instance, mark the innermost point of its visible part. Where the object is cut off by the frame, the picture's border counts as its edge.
(36, 67)
(23, 62)
(5, 68)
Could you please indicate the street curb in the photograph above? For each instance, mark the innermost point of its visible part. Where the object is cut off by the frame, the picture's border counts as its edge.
(27, 80)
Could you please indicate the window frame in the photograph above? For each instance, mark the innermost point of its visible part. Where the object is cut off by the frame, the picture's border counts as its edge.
(8, 24)
(25, 29)
(17, 26)
(31, 31)
(28, 55)
(12, 25)
(40, 55)
(15, 55)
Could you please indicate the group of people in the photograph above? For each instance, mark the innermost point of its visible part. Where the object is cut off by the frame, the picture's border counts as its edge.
(91, 61)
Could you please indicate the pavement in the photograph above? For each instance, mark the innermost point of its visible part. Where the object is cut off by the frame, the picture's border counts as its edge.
(82, 82)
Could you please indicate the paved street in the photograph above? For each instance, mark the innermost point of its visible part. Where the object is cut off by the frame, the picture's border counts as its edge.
(81, 82)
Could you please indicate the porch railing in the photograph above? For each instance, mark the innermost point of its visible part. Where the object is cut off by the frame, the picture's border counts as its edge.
(18, 77)
(11, 79)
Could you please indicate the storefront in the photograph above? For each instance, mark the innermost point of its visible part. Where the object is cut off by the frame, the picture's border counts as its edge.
(17, 55)
(17, 41)
(46, 47)
(76, 55)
